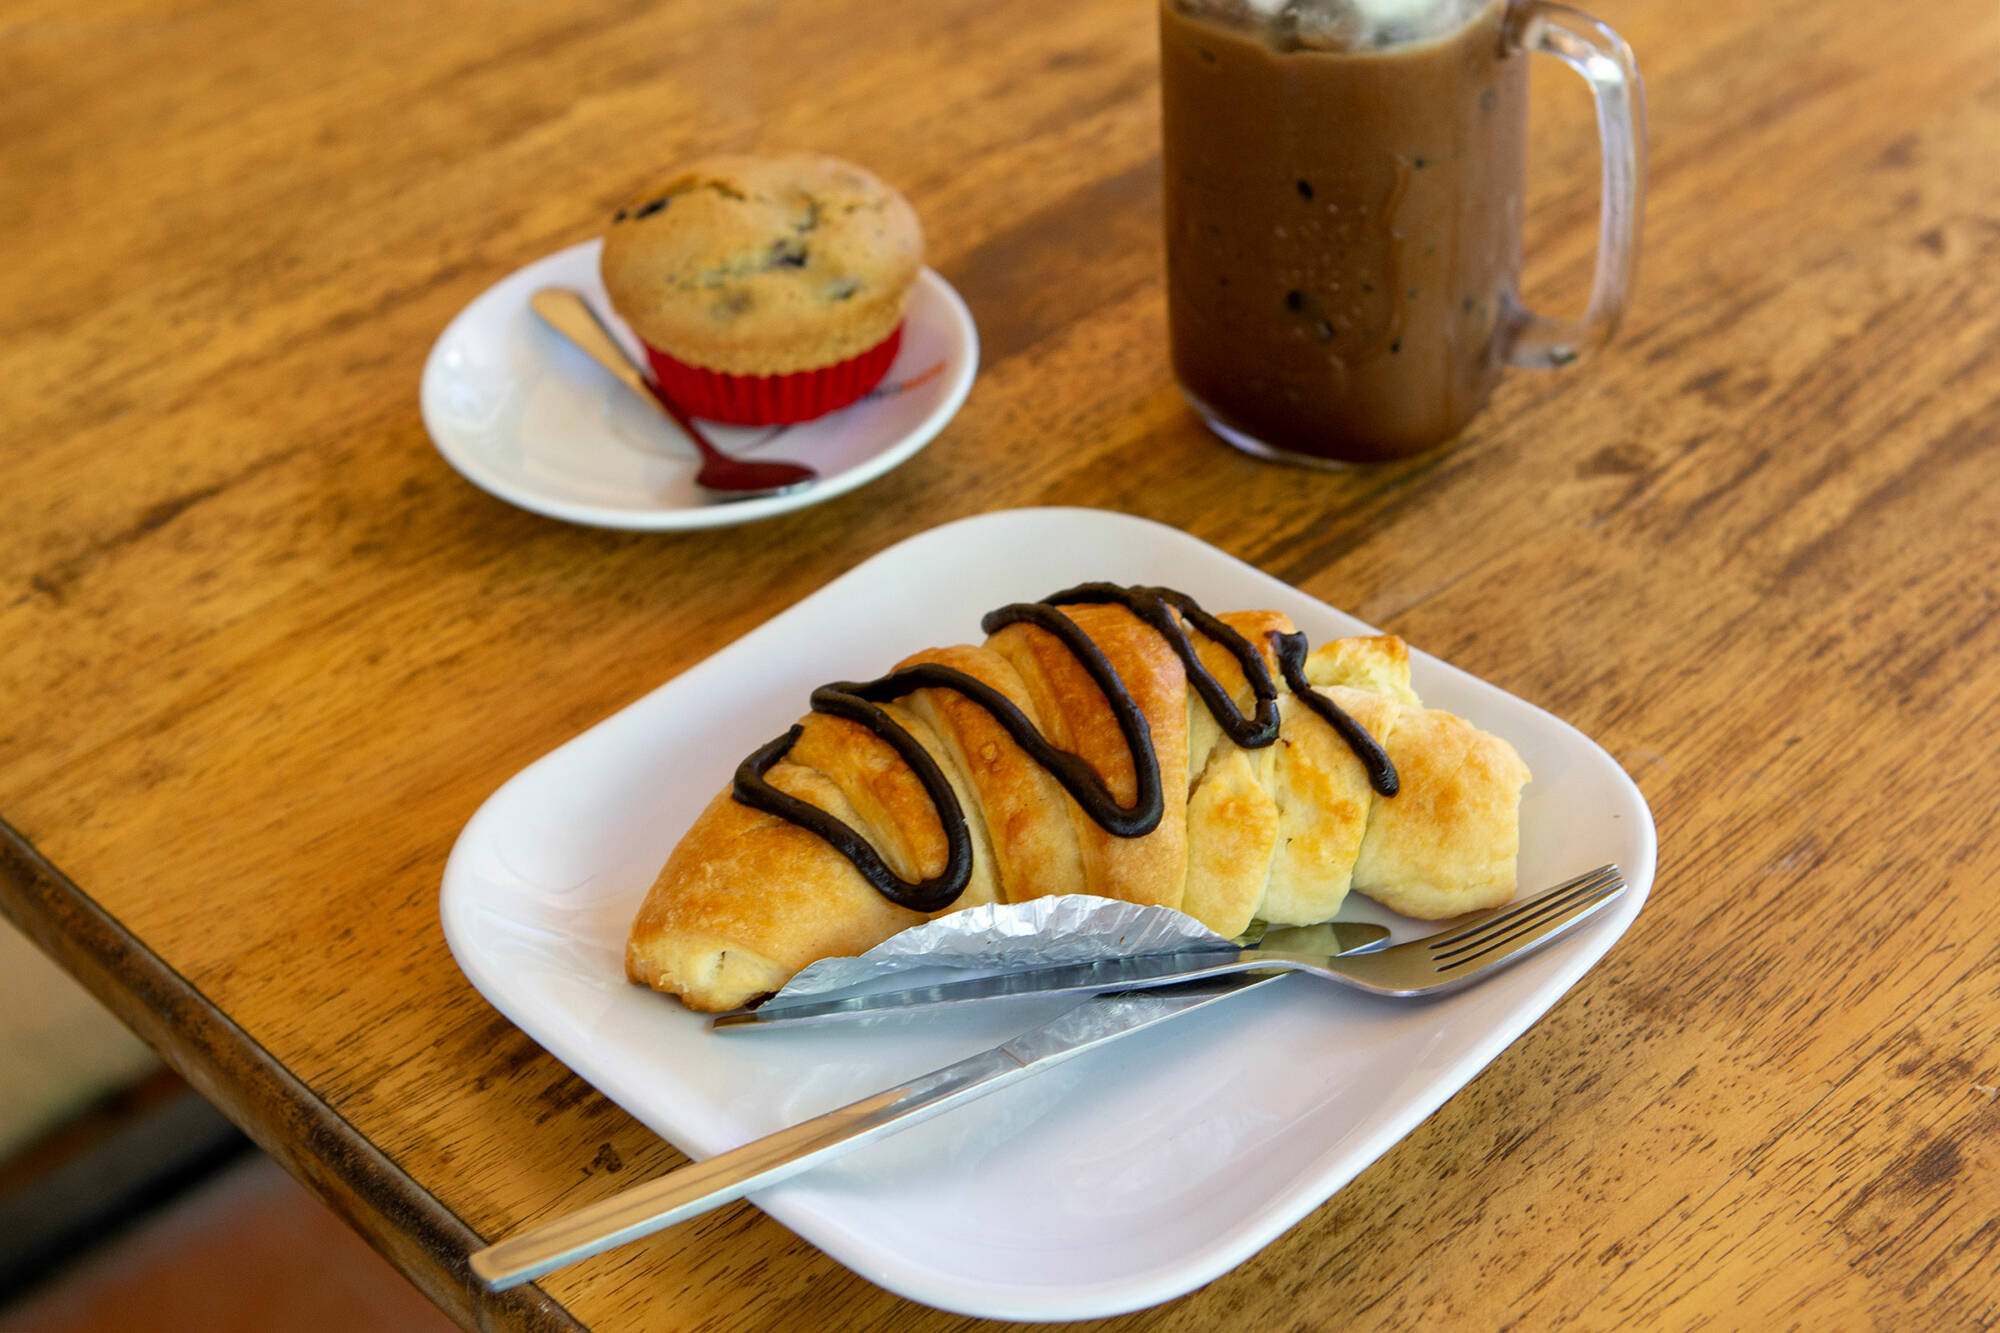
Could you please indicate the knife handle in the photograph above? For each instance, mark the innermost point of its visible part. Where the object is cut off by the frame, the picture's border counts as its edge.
(726, 1177)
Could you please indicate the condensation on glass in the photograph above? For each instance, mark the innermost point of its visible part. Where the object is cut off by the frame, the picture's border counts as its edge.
(1343, 213)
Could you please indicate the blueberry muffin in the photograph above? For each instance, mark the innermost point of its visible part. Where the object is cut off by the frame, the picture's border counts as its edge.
(766, 288)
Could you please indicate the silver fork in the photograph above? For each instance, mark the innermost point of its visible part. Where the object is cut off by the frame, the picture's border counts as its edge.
(1479, 944)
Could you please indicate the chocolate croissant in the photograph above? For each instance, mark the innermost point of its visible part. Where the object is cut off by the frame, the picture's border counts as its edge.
(1114, 741)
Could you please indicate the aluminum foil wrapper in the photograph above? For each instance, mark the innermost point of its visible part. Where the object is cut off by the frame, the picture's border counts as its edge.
(1001, 937)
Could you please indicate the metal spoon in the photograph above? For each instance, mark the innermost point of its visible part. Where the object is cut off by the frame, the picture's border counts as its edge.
(569, 314)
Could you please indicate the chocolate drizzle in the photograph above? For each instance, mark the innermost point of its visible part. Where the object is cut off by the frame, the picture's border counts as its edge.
(1156, 606)
(846, 699)
(1147, 806)
(859, 702)
(1291, 653)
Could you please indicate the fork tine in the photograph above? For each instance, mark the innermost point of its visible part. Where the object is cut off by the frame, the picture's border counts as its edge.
(1499, 920)
(1479, 947)
(1547, 915)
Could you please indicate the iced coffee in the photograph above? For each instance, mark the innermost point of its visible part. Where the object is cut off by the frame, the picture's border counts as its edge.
(1343, 215)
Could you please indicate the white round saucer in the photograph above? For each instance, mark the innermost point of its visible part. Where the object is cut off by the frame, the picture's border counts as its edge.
(523, 415)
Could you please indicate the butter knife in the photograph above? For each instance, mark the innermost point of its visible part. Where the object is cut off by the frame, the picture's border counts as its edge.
(1281, 947)
(728, 1176)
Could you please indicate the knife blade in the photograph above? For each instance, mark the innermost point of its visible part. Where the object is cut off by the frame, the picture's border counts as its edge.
(1278, 949)
(728, 1176)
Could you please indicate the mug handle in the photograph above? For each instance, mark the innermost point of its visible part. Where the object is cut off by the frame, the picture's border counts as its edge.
(1605, 62)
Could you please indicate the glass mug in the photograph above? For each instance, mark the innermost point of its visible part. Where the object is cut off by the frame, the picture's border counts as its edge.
(1343, 213)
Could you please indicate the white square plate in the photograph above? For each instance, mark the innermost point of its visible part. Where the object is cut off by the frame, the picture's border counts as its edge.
(1121, 1179)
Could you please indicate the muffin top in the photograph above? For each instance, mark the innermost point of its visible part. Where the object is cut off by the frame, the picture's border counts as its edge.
(763, 265)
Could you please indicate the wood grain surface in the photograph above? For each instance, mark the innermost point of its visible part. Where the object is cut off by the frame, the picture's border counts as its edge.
(262, 653)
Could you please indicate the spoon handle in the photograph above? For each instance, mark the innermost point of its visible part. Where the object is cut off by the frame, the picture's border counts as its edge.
(564, 310)
(570, 316)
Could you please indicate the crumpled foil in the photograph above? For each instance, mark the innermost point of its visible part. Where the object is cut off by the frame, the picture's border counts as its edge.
(1002, 937)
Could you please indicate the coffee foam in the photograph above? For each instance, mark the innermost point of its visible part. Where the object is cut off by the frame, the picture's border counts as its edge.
(1340, 25)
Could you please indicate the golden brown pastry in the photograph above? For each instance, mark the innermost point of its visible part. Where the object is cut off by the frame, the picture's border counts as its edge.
(761, 265)
(1111, 741)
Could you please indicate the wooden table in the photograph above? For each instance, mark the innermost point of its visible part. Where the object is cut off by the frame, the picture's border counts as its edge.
(262, 652)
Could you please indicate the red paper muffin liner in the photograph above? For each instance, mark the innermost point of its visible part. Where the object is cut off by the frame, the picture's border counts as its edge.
(772, 400)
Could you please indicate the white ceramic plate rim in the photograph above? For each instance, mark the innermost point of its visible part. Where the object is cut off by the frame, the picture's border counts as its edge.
(512, 291)
(703, 1130)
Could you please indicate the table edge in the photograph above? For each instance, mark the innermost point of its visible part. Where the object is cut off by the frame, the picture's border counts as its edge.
(402, 1221)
